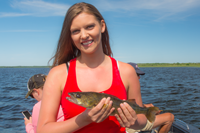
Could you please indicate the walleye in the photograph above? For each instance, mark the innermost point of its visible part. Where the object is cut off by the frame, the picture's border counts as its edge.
(91, 99)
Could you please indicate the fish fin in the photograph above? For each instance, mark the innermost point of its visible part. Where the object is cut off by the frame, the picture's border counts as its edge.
(151, 113)
(105, 106)
(132, 101)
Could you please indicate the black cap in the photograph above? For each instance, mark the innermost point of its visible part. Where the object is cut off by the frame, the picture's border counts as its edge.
(36, 81)
(138, 71)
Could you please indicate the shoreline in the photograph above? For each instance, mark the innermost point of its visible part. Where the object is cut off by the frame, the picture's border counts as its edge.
(25, 67)
(169, 64)
(139, 65)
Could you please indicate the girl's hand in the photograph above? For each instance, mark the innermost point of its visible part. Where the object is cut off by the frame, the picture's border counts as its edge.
(127, 115)
(151, 105)
(148, 105)
(26, 121)
(99, 112)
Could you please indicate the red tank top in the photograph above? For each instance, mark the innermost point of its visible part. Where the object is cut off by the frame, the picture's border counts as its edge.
(109, 125)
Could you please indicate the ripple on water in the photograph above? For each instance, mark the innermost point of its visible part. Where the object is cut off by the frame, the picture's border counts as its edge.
(175, 89)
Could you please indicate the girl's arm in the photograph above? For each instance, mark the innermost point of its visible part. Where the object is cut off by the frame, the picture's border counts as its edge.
(132, 85)
(50, 104)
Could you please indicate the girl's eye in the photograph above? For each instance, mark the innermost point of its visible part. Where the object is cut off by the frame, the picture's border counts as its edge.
(75, 32)
(90, 27)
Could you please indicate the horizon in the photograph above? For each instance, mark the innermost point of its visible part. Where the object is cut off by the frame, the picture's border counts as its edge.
(141, 31)
(177, 63)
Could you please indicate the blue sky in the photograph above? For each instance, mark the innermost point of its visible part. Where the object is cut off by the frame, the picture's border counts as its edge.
(141, 31)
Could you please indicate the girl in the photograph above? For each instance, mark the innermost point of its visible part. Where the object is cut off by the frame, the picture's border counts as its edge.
(83, 62)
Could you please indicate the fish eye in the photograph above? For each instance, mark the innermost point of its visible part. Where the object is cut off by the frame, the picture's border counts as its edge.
(78, 96)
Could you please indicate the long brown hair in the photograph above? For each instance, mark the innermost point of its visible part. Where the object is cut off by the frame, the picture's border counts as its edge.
(65, 48)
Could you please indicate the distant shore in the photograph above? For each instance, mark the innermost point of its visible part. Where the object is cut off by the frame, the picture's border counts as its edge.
(139, 64)
(25, 67)
(169, 64)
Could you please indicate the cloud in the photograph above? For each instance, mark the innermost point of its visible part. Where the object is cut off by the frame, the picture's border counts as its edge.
(37, 8)
(159, 9)
(23, 31)
(13, 14)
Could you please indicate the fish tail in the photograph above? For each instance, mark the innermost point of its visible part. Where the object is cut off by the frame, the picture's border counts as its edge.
(151, 113)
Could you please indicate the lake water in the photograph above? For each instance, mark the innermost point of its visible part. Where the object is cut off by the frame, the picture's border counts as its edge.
(171, 88)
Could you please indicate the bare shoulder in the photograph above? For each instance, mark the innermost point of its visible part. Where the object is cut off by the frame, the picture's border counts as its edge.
(126, 69)
(58, 70)
(58, 75)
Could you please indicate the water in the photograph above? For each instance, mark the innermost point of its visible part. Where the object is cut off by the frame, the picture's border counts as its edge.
(13, 88)
(176, 89)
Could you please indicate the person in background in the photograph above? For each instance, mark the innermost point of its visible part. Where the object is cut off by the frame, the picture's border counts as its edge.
(35, 89)
(163, 121)
(84, 45)
(137, 70)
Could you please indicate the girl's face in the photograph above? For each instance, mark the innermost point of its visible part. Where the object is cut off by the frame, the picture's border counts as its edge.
(86, 32)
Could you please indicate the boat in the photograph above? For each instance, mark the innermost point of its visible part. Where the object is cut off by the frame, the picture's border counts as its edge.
(178, 126)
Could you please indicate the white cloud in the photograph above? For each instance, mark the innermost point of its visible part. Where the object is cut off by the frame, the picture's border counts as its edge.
(159, 9)
(23, 30)
(154, 9)
(13, 14)
(37, 8)
(159, 5)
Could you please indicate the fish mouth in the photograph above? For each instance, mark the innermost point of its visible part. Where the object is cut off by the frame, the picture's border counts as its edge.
(72, 99)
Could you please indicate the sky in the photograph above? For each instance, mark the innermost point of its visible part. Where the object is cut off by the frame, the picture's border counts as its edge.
(141, 31)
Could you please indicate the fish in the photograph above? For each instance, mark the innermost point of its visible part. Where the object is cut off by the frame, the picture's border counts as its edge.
(91, 99)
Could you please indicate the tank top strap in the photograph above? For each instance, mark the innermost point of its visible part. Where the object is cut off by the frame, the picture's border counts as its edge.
(71, 76)
(116, 74)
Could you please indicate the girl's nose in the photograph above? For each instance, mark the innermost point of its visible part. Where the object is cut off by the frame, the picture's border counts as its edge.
(84, 35)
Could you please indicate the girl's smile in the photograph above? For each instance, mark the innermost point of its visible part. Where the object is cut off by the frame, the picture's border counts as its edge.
(87, 43)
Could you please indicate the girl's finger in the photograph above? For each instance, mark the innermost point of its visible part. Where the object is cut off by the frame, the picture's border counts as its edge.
(104, 113)
(108, 108)
(130, 110)
(121, 114)
(111, 109)
(97, 108)
(119, 120)
(131, 115)
(105, 106)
